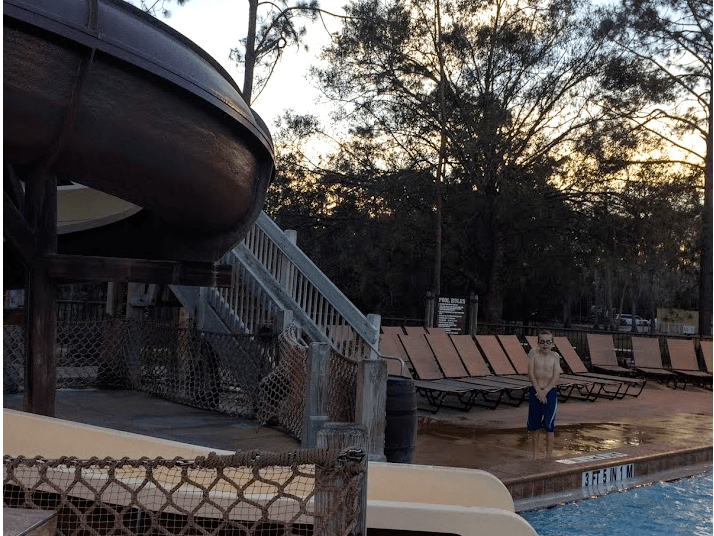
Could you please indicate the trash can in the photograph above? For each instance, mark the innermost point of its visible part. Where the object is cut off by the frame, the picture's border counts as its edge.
(401, 429)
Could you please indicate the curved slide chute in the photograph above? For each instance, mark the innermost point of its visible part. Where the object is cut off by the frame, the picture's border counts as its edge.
(121, 103)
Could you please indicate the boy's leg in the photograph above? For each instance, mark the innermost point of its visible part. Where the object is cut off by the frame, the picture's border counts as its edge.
(549, 442)
(535, 418)
(549, 412)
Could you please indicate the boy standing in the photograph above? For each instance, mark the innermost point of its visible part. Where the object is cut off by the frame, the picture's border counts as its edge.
(543, 372)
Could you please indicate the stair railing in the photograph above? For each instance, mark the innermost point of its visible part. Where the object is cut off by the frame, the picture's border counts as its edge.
(273, 274)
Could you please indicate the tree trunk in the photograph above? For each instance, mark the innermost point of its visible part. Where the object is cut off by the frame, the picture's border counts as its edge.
(494, 299)
(608, 297)
(440, 166)
(249, 67)
(705, 261)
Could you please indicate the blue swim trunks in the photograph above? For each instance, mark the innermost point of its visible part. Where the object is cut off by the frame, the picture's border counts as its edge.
(542, 415)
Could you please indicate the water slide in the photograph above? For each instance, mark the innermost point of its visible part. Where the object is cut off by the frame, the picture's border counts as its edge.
(155, 152)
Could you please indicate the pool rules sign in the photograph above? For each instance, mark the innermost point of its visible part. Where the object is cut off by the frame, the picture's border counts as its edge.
(451, 315)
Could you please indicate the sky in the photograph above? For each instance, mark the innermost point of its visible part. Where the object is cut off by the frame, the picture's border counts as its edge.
(218, 25)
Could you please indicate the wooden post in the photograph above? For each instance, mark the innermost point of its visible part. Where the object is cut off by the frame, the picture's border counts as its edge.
(285, 320)
(473, 314)
(429, 310)
(316, 392)
(40, 367)
(371, 404)
(375, 321)
(337, 436)
(135, 290)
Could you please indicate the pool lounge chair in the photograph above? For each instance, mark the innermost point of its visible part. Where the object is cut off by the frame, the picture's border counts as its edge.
(390, 345)
(498, 361)
(503, 368)
(627, 386)
(683, 357)
(648, 361)
(568, 386)
(603, 357)
(449, 357)
(707, 355)
(438, 390)
(415, 330)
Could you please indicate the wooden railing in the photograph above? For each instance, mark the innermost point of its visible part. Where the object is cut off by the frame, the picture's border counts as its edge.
(273, 275)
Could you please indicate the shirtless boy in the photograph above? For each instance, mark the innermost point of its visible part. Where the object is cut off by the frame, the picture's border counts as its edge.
(543, 371)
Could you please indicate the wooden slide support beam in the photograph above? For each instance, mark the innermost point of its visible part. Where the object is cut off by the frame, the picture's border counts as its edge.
(17, 231)
(115, 269)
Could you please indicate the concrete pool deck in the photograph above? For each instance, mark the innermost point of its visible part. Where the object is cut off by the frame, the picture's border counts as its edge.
(661, 434)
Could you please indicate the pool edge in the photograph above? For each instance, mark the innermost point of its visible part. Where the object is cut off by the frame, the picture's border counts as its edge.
(556, 485)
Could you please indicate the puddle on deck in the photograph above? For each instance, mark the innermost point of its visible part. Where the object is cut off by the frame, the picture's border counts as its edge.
(459, 446)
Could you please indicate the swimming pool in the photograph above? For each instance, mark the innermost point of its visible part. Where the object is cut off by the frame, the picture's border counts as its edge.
(679, 507)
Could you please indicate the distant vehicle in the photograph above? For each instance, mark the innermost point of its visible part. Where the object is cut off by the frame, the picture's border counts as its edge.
(626, 320)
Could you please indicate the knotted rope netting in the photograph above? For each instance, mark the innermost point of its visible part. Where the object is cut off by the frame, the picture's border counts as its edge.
(250, 493)
(255, 375)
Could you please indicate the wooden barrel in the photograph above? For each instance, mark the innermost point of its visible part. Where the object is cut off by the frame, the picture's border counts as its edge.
(401, 431)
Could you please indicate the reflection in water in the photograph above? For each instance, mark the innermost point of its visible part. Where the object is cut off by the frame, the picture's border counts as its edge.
(594, 437)
(576, 437)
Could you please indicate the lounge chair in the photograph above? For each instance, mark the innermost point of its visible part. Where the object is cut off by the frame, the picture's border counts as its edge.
(648, 361)
(498, 361)
(568, 387)
(390, 345)
(684, 362)
(432, 385)
(415, 330)
(620, 386)
(707, 355)
(447, 353)
(603, 357)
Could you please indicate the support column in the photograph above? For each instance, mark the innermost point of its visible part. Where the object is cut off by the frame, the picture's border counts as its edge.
(316, 392)
(337, 436)
(371, 404)
(40, 367)
(473, 314)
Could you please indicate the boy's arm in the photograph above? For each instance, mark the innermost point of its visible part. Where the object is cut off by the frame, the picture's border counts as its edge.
(540, 393)
(555, 374)
(531, 375)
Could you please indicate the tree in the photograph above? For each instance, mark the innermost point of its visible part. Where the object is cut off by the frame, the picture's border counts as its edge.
(516, 83)
(272, 27)
(359, 216)
(268, 36)
(660, 82)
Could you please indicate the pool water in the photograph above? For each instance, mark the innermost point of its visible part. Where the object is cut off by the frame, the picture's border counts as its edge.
(667, 508)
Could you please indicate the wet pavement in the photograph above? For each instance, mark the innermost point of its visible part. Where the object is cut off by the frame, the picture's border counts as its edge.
(485, 439)
(660, 429)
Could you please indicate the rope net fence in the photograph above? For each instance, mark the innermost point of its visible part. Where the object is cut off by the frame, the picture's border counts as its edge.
(256, 376)
(303, 492)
